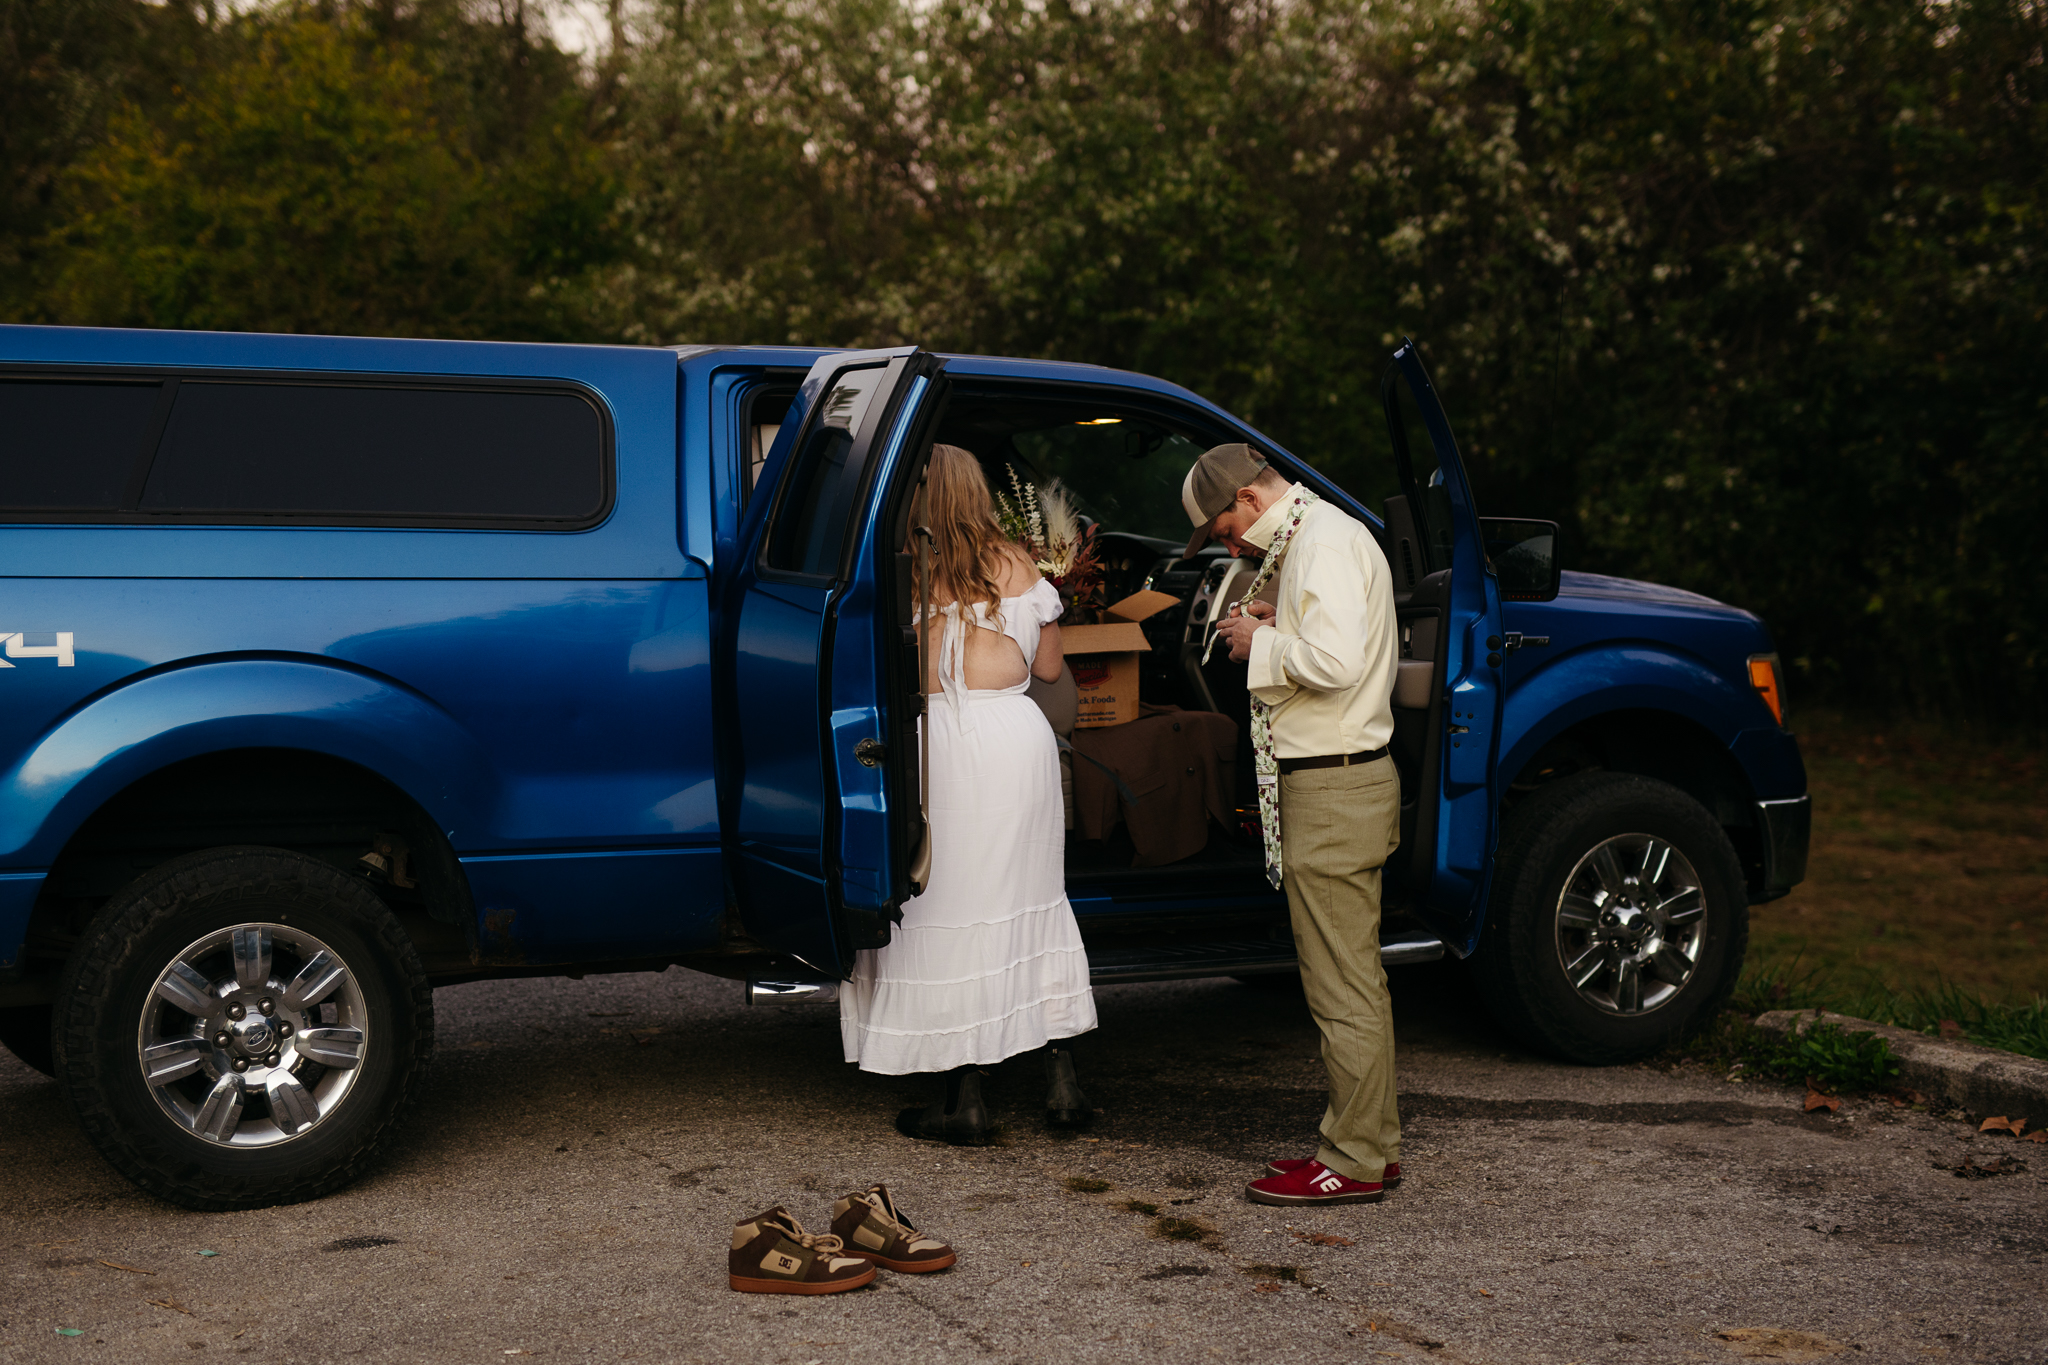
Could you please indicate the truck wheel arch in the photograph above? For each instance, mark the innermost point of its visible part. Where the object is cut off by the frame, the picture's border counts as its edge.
(152, 722)
(258, 720)
(1659, 744)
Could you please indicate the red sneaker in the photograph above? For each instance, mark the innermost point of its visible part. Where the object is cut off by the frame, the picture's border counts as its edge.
(1289, 1165)
(1314, 1183)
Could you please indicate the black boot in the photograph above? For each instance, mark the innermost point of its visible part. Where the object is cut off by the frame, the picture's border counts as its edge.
(962, 1120)
(1066, 1106)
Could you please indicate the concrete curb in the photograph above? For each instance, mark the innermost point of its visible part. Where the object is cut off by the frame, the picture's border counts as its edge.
(1981, 1080)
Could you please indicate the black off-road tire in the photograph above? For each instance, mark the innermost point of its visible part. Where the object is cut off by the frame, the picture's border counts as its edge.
(135, 938)
(25, 1032)
(1518, 967)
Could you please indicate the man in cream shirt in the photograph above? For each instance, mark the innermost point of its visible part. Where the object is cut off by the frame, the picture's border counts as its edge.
(1324, 663)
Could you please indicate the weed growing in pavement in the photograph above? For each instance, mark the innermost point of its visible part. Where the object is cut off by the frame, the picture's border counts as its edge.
(1844, 1061)
(1085, 1184)
(1140, 1206)
(1824, 1053)
(1183, 1229)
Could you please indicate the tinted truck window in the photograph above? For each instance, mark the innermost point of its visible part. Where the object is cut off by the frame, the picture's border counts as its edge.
(71, 447)
(428, 454)
(199, 449)
(818, 491)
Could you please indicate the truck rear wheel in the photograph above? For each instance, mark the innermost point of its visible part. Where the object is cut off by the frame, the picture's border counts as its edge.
(1618, 918)
(241, 1027)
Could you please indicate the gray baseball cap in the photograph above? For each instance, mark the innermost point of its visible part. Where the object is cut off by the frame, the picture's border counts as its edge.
(1212, 485)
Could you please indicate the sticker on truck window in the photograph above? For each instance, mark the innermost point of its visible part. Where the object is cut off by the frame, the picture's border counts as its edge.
(16, 648)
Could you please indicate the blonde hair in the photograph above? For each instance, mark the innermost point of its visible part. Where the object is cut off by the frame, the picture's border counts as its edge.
(968, 546)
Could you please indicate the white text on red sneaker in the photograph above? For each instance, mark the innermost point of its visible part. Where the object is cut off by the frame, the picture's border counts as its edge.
(1330, 1182)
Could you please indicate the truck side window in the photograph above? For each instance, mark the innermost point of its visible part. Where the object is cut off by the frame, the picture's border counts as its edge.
(371, 453)
(1415, 453)
(821, 482)
(196, 449)
(71, 446)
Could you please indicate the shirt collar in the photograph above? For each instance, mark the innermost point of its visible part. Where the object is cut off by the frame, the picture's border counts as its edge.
(1262, 531)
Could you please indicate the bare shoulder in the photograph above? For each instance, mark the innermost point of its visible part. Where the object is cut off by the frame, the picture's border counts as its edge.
(1018, 575)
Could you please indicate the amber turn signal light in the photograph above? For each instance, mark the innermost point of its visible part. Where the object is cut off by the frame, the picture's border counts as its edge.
(1763, 676)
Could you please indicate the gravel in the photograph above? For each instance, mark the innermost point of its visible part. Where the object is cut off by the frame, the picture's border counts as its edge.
(569, 1184)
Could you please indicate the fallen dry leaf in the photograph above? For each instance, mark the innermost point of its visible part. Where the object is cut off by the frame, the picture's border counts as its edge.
(1266, 1287)
(1973, 1169)
(1816, 1100)
(1488, 1293)
(172, 1304)
(1323, 1239)
(2002, 1124)
(131, 1269)
(2040, 1136)
(1951, 1030)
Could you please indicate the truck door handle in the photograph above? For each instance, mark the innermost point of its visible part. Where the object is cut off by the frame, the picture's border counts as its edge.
(871, 753)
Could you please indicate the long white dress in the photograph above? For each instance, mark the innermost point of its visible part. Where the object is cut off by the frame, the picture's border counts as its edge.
(988, 961)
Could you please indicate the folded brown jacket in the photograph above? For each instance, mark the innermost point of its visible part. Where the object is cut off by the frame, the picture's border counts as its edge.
(1164, 776)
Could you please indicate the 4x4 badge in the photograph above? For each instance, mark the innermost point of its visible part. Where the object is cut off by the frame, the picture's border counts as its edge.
(61, 651)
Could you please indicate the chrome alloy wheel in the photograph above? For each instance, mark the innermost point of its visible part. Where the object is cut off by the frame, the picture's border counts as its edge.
(1631, 921)
(252, 1035)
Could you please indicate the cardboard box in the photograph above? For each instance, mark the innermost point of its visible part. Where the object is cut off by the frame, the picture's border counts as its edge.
(1104, 660)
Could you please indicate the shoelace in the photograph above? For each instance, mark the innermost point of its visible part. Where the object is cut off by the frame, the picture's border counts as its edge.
(812, 1241)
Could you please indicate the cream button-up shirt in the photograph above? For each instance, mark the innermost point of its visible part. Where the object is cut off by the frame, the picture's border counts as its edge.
(1327, 662)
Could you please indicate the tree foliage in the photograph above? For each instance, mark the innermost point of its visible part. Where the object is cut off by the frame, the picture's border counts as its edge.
(1746, 293)
(318, 175)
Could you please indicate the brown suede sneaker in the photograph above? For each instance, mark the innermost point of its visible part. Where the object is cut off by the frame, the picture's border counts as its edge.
(875, 1229)
(772, 1254)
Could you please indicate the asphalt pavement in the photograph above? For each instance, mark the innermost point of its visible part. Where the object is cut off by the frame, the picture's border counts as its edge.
(569, 1184)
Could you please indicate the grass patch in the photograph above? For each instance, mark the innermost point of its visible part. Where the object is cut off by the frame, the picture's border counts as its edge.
(1139, 1206)
(1945, 1008)
(1086, 1184)
(1927, 866)
(1824, 1053)
(1289, 1274)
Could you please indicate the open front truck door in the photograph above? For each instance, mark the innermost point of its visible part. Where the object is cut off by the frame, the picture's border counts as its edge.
(1453, 838)
(820, 664)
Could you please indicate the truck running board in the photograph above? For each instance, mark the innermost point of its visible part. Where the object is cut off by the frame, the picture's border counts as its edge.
(1240, 957)
(1156, 962)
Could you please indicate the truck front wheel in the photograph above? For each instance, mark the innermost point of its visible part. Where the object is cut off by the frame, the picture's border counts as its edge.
(1618, 918)
(241, 1027)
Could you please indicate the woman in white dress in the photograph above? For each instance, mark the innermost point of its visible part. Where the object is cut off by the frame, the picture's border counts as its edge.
(988, 961)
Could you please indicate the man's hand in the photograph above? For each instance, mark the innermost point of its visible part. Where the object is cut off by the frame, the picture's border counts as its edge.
(1238, 630)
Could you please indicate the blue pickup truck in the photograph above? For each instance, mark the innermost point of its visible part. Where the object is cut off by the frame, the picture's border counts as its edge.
(335, 669)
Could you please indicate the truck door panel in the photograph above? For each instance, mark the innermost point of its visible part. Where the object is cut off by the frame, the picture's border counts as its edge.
(810, 632)
(1454, 823)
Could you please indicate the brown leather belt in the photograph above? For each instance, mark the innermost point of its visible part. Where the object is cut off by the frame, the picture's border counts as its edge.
(1295, 765)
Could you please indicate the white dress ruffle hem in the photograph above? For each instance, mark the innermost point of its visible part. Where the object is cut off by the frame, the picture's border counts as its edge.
(988, 961)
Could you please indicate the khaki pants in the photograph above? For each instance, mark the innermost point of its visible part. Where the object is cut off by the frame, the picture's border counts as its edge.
(1338, 827)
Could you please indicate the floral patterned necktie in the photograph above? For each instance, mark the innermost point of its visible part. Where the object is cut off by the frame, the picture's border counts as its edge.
(1266, 764)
